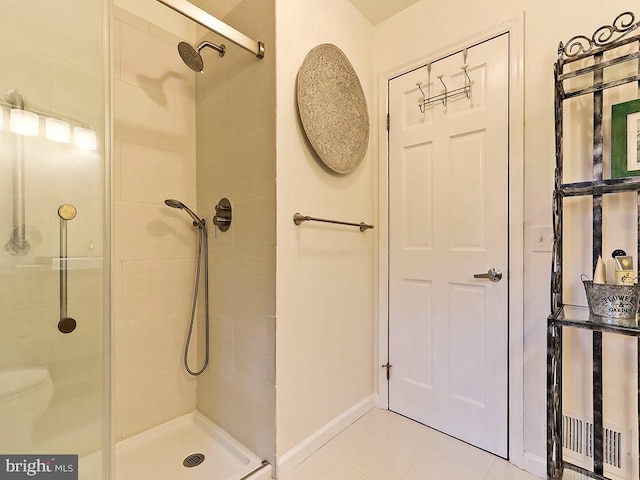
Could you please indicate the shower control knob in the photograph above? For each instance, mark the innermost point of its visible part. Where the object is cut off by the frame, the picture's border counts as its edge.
(222, 218)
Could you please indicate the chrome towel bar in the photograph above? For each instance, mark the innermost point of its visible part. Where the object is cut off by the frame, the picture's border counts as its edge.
(298, 219)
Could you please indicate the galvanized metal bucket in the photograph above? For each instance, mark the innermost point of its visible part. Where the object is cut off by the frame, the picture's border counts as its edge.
(613, 301)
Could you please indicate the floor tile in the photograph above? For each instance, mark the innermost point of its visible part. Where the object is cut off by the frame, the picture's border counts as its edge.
(324, 466)
(442, 451)
(383, 445)
(423, 470)
(503, 470)
(377, 459)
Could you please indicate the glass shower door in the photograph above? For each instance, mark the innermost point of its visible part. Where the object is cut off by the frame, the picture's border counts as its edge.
(53, 248)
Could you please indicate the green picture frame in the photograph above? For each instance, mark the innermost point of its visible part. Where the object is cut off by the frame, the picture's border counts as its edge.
(625, 139)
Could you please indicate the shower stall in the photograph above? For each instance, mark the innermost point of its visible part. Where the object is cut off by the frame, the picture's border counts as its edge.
(100, 123)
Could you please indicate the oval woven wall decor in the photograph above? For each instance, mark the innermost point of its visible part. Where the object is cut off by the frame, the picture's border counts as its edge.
(333, 108)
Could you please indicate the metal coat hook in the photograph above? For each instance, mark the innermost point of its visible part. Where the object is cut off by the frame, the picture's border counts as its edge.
(419, 85)
(467, 81)
(444, 97)
(421, 104)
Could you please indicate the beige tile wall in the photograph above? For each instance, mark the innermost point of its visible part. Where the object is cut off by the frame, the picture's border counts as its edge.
(154, 159)
(236, 159)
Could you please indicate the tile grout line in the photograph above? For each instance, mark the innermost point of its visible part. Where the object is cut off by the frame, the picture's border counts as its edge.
(410, 467)
(352, 467)
(493, 463)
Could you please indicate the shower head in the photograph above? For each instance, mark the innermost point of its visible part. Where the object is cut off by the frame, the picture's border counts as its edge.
(192, 59)
(170, 202)
(191, 56)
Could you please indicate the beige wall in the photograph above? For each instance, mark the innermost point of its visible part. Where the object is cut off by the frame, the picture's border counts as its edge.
(326, 275)
(413, 34)
(154, 250)
(161, 17)
(236, 159)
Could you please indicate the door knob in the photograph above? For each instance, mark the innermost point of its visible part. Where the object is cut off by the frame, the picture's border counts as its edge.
(493, 274)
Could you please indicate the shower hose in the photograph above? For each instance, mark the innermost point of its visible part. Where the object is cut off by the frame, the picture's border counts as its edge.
(203, 245)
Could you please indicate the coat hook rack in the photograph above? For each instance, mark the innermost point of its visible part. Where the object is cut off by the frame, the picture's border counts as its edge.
(444, 97)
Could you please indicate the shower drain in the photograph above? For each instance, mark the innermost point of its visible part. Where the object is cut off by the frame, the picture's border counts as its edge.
(193, 460)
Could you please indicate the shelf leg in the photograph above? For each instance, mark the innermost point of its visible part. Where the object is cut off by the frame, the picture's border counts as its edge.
(598, 427)
(554, 402)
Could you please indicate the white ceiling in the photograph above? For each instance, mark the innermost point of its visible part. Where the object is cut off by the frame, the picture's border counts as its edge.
(375, 11)
(217, 8)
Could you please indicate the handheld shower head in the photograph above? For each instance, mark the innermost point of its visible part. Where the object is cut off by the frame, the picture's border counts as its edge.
(170, 202)
(191, 56)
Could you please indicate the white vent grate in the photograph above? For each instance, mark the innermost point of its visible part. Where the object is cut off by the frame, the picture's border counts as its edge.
(577, 440)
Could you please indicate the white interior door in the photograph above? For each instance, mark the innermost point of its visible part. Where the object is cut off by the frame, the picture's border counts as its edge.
(448, 219)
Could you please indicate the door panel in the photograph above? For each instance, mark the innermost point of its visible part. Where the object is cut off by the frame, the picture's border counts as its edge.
(467, 161)
(467, 343)
(418, 191)
(448, 194)
(418, 298)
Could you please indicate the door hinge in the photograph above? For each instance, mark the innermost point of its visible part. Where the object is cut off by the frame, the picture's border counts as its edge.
(388, 367)
(388, 122)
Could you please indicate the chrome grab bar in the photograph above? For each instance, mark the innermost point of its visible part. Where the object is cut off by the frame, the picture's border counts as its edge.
(66, 212)
(298, 219)
(18, 243)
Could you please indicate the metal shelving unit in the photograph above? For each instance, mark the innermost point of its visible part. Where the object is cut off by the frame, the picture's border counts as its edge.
(596, 56)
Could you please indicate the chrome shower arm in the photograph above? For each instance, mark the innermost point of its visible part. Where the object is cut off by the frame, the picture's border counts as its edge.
(221, 49)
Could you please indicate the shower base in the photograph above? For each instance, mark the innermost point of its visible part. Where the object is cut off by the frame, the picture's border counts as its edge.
(159, 453)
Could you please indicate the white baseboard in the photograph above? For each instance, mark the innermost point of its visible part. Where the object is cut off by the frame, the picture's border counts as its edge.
(535, 464)
(314, 442)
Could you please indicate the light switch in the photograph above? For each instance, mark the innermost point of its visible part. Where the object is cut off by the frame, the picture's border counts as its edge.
(542, 239)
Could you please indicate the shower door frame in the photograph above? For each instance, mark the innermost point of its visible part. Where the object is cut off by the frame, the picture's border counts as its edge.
(109, 241)
(515, 29)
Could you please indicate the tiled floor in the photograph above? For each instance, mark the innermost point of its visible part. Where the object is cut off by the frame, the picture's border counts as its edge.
(385, 446)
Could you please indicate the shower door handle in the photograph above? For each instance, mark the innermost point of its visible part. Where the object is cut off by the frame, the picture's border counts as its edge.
(66, 324)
